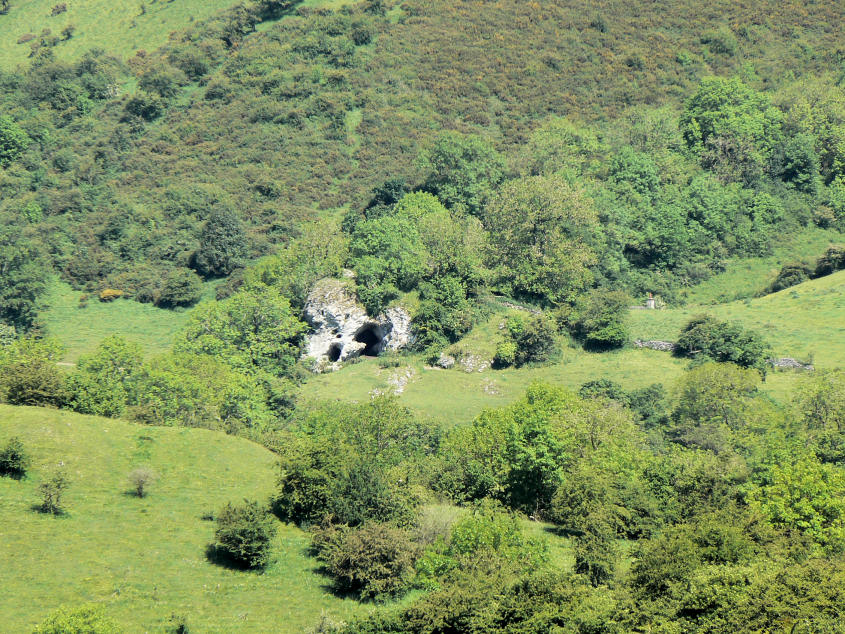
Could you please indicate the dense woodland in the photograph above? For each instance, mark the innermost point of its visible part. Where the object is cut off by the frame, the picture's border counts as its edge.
(568, 156)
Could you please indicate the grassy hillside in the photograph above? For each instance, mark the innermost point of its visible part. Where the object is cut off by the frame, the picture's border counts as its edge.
(82, 329)
(121, 28)
(118, 27)
(144, 558)
(806, 321)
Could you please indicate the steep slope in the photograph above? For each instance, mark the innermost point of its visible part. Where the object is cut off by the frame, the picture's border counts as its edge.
(118, 27)
(806, 321)
(145, 558)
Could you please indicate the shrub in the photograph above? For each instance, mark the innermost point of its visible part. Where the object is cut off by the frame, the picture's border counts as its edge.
(13, 459)
(13, 140)
(29, 374)
(375, 561)
(595, 551)
(88, 619)
(141, 478)
(462, 171)
(790, 275)
(706, 336)
(146, 106)
(244, 533)
(110, 294)
(182, 287)
(532, 341)
(223, 245)
(833, 260)
(600, 319)
(52, 490)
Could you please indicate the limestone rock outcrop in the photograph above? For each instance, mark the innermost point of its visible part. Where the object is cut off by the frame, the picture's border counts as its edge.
(341, 329)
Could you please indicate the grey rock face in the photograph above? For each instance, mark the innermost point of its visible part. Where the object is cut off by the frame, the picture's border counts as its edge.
(665, 346)
(789, 362)
(342, 329)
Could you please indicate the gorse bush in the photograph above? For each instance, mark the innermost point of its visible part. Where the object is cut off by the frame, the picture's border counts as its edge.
(374, 561)
(244, 534)
(14, 460)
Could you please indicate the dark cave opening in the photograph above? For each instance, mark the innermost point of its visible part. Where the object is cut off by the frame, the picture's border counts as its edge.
(334, 352)
(371, 340)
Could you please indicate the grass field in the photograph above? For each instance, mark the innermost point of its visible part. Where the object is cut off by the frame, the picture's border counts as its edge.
(144, 558)
(82, 329)
(117, 27)
(746, 277)
(805, 322)
(120, 28)
(454, 397)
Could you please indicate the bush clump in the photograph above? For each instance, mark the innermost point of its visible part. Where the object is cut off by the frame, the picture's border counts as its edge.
(182, 287)
(13, 459)
(244, 533)
(599, 319)
(141, 478)
(709, 338)
(374, 561)
(790, 275)
(52, 490)
(526, 341)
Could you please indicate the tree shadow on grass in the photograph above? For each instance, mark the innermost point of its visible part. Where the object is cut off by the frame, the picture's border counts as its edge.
(220, 557)
(43, 510)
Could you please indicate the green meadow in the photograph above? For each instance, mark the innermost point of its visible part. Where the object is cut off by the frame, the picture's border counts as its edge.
(118, 27)
(81, 327)
(144, 559)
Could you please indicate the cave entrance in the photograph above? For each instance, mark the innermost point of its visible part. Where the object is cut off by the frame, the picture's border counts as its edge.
(334, 352)
(371, 340)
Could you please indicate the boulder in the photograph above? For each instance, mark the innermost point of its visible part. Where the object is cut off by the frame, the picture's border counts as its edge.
(341, 329)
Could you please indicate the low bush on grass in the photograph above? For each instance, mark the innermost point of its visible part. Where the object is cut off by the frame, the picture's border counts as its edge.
(13, 459)
(243, 534)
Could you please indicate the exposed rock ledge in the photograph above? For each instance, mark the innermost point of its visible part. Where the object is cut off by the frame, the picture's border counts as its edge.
(665, 346)
(789, 362)
(342, 329)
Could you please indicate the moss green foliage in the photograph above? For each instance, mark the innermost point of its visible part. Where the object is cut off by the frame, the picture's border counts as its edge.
(181, 287)
(244, 533)
(14, 461)
(374, 561)
(52, 491)
(13, 141)
(222, 244)
(539, 229)
(87, 619)
(29, 375)
(705, 337)
(600, 319)
(250, 331)
(527, 341)
(462, 171)
(23, 282)
(105, 381)
(349, 465)
(790, 275)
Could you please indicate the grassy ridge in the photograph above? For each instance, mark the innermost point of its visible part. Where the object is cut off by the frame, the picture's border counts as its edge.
(805, 321)
(82, 329)
(144, 558)
(118, 27)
